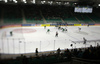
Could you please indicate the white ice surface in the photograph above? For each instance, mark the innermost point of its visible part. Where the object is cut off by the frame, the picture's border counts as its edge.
(28, 42)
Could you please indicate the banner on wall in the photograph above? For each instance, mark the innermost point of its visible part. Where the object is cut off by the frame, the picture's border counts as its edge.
(53, 24)
(6, 26)
(58, 24)
(77, 24)
(28, 24)
(91, 24)
(84, 24)
(88, 24)
(31, 24)
(70, 24)
(97, 24)
(45, 24)
(19, 25)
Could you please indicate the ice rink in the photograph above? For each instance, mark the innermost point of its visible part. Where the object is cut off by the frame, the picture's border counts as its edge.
(27, 39)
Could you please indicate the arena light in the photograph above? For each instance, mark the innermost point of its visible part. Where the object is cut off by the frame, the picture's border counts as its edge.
(6, 1)
(98, 4)
(59, 3)
(67, 3)
(42, 2)
(75, 3)
(50, 2)
(25, 2)
(15, 1)
(33, 1)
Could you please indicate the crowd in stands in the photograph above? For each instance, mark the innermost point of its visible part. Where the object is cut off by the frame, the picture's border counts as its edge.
(90, 53)
(11, 14)
(32, 13)
(55, 13)
(50, 13)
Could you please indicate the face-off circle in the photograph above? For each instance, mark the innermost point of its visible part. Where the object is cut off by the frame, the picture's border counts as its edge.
(24, 30)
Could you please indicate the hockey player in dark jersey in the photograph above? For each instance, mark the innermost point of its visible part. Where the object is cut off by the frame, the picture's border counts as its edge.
(56, 34)
(11, 34)
(79, 29)
(44, 27)
(84, 40)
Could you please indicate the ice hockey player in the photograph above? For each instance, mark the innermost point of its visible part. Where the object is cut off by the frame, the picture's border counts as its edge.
(56, 34)
(59, 27)
(79, 29)
(11, 33)
(63, 29)
(84, 40)
(44, 27)
(48, 30)
(88, 25)
(56, 25)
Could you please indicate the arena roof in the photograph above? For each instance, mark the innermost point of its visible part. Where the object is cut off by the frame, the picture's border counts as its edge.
(53, 2)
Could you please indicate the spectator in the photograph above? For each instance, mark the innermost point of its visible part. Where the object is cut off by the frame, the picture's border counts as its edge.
(36, 51)
(58, 51)
(80, 53)
(68, 54)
